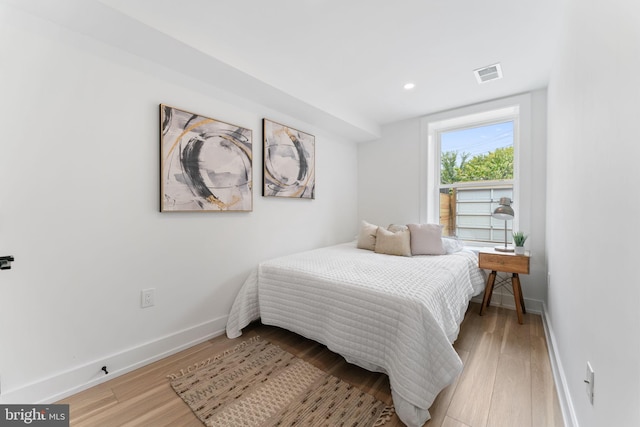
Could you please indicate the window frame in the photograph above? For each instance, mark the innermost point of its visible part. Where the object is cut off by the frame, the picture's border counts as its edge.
(434, 126)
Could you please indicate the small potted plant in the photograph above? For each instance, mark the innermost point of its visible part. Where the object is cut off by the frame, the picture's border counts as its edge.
(519, 238)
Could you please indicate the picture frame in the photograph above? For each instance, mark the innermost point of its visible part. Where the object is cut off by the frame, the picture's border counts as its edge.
(288, 162)
(206, 165)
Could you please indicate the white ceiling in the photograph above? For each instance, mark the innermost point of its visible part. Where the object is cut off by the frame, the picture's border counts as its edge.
(339, 63)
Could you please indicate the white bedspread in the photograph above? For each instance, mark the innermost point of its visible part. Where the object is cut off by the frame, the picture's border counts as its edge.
(391, 314)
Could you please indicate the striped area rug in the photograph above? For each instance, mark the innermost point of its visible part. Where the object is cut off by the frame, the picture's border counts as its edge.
(259, 384)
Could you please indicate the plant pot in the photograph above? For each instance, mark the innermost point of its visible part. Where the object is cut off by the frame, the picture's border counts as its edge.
(519, 250)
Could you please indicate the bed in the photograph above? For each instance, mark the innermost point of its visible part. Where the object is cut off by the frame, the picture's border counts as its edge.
(393, 314)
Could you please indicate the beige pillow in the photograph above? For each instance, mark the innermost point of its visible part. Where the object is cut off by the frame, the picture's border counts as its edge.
(426, 239)
(367, 236)
(390, 243)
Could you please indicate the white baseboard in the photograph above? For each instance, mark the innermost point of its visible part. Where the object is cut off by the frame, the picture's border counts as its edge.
(506, 300)
(59, 386)
(566, 405)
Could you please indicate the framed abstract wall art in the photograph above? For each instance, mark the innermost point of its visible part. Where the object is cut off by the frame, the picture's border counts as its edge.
(205, 164)
(289, 162)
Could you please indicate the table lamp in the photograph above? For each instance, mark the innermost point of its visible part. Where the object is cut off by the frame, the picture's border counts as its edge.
(504, 212)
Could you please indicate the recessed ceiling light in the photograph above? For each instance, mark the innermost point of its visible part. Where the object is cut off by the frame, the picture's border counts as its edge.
(409, 86)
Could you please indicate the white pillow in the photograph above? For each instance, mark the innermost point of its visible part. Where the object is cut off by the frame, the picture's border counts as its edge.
(390, 243)
(426, 239)
(397, 227)
(367, 236)
(452, 245)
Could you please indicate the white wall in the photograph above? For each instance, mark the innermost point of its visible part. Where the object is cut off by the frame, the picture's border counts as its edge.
(593, 209)
(79, 190)
(392, 178)
(389, 175)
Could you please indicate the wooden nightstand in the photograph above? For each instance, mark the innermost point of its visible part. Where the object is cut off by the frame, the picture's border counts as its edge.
(507, 262)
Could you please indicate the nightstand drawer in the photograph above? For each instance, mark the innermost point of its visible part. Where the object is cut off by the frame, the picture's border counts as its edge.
(504, 262)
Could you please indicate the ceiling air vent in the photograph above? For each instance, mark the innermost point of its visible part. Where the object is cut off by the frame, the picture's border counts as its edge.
(485, 74)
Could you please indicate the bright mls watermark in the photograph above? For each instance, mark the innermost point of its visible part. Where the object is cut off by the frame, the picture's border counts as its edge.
(34, 415)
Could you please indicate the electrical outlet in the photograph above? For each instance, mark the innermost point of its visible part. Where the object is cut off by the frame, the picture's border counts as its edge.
(148, 298)
(589, 382)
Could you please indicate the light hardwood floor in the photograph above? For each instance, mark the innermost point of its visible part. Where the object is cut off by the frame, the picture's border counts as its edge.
(506, 380)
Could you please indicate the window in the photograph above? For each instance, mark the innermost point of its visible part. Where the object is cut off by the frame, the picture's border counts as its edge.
(472, 165)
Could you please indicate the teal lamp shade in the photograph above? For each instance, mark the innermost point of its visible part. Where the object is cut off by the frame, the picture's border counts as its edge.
(504, 212)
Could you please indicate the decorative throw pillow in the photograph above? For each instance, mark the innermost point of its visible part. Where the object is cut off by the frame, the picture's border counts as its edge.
(390, 243)
(426, 239)
(397, 227)
(367, 236)
(452, 245)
